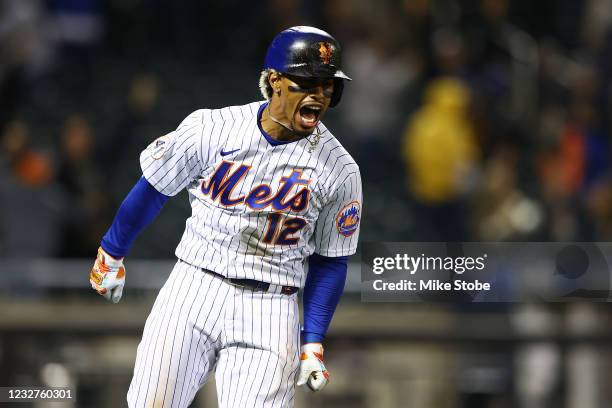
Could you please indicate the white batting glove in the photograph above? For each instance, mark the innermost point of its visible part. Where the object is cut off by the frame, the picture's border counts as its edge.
(312, 370)
(107, 276)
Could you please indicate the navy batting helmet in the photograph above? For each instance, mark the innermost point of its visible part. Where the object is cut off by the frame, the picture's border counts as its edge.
(307, 52)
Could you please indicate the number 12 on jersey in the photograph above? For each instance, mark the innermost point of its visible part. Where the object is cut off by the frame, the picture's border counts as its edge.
(280, 229)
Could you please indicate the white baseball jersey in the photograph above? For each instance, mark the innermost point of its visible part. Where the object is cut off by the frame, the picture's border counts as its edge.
(259, 208)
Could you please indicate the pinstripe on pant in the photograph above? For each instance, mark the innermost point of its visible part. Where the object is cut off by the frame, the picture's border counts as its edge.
(200, 324)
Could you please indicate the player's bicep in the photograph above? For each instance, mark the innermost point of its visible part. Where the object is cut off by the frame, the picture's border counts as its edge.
(172, 161)
(337, 229)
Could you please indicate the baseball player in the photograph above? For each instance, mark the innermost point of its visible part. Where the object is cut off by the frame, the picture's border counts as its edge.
(270, 188)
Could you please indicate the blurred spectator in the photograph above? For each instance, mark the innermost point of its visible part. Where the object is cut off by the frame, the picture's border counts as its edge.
(414, 21)
(441, 156)
(344, 16)
(577, 159)
(599, 208)
(448, 52)
(15, 143)
(372, 106)
(32, 203)
(78, 24)
(129, 135)
(503, 212)
(81, 180)
(24, 52)
(76, 28)
(124, 141)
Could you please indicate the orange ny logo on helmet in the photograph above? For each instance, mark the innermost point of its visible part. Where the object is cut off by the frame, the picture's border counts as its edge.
(325, 51)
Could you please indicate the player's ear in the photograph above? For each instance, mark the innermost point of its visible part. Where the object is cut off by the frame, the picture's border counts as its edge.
(274, 80)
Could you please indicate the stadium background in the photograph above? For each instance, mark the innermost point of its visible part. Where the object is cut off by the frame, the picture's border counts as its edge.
(471, 120)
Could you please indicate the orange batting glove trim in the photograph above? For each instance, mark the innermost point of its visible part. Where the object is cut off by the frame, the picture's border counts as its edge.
(107, 276)
(312, 371)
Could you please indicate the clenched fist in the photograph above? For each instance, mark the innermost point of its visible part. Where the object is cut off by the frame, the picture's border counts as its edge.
(312, 370)
(107, 276)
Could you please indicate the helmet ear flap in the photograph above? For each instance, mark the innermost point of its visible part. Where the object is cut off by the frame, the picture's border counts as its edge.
(337, 95)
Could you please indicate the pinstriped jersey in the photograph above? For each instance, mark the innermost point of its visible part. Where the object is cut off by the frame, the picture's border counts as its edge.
(259, 208)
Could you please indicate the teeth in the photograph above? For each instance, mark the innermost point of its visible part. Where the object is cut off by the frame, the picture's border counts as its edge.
(310, 114)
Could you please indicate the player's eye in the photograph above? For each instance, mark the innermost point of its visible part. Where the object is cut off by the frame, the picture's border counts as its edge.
(310, 86)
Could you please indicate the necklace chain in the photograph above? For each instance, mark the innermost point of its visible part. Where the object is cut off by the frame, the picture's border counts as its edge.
(315, 140)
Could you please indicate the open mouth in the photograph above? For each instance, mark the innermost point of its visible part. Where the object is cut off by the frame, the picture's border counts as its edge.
(309, 115)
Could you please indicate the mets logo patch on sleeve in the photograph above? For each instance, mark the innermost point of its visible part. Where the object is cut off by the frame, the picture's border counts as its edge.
(159, 146)
(347, 220)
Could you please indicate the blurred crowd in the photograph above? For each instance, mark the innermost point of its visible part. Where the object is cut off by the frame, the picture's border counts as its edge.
(470, 119)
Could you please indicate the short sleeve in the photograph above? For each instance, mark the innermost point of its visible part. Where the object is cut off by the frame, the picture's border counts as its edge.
(172, 161)
(337, 229)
